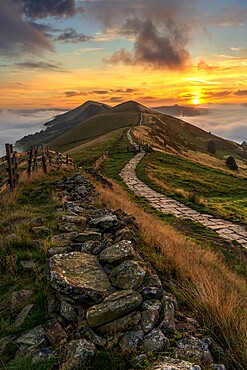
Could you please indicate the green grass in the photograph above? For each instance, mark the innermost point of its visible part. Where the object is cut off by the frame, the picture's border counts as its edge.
(221, 194)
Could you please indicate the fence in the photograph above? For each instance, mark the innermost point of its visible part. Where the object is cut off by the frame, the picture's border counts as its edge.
(13, 164)
(130, 149)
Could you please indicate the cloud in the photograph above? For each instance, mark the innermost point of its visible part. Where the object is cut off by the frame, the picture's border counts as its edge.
(203, 66)
(44, 8)
(70, 35)
(17, 36)
(161, 30)
(70, 94)
(241, 93)
(38, 65)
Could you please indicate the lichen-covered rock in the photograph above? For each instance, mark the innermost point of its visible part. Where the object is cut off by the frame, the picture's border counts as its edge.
(128, 275)
(42, 354)
(67, 311)
(93, 337)
(105, 222)
(193, 348)
(118, 252)
(20, 298)
(152, 292)
(79, 220)
(31, 340)
(155, 341)
(22, 316)
(90, 246)
(168, 363)
(58, 250)
(67, 227)
(152, 304)
(79, 353)
(55, 333)
(148, 320)
(80, 276)
(168, 324)
(131, 340)
(81, 190)
(114, 306)
(218, 367)
(121, 324)
(63, 239)
(125, 234)
(86, 235)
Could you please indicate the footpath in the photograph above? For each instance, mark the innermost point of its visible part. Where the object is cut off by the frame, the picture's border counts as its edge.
(226, 229)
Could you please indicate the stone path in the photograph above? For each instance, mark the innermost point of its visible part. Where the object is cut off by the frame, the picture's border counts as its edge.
(162, 203)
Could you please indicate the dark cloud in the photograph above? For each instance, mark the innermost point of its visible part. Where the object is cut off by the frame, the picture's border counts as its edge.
(17, 36)
(70, 35)
(218, 94)
(44, 8)
(100, 92)
(70, 94)
(161, 30)
(116, 99)
(46, 29)
(38, 65)
(241, 93)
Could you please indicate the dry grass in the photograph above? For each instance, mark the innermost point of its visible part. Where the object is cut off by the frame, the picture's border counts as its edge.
(216, 296)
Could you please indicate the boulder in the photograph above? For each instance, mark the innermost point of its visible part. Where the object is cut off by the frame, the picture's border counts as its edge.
(31, 340)
(121, 324)
(79, 353)
(155, 341)
(128, 275)
(86, 235)
(131, 340)
(194, 348)
(118, 252)
(114, 306)
(105, 222)
(168, 363)
(80, 276)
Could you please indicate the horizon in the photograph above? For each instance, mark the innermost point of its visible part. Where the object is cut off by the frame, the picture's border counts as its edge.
(155, 52)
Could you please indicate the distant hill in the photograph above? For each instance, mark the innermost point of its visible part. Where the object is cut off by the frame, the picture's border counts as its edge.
(63, 123)
(123, 115)
(181, 111)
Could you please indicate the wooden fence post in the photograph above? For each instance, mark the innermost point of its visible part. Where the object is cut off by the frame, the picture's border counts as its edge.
(43, 160)
(30, 156)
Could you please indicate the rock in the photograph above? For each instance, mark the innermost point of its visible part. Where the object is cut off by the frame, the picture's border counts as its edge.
(79, 220)
(96, 339)
(67, 227)
(67, 311)
(105, 222)
(148, 320)
(131, 340)
(155, 341)
(20, 298)
(128, 275)
(125, 234)
(121, 324)
(193, 348)
(28, 265)
(4, 342)
(151, 278)
(80, 353)
(114, 306)
(63, 239)
(22, 315)
(76, 210)
(31, 340)
(168, 324)
(58, 250)
(152, 293)
(138, 359)
(35, 221)
(81, 190)
(41, 230)
(80, 276)
(56, 334)
(119, 252)
(168, 363)
(90, 246)
(218, 367)
(86, 235)
(152, 304)
(53, 304)
(42, 354)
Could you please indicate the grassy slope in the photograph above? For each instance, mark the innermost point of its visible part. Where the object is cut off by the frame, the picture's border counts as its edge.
(123, 115)
(216, 191)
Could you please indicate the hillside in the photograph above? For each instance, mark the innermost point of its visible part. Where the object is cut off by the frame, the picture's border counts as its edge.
(63, 123)
(179, 110)
(123, 115)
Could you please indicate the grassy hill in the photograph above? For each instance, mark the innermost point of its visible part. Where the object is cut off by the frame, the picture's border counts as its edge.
(123, 115)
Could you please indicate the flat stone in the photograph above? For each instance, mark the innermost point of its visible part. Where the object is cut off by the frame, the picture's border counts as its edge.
(58, 250)
(121, 324)
(63, 239)
(131, 340)
(168, 363)
(152, 293)
(85, 236)
(32, 339)
(105, 222)
(79, 353)
(118, 252)
(155, 341)
(22, 316)
(56, 334)
(128, 275)
(114, 306)
(20, 298)
(79, 220)
(80, 276)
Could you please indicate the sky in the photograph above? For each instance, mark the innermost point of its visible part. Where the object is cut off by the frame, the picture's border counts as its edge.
(60, 53)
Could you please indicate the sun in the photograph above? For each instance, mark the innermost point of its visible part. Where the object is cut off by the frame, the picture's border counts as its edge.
(196, 101)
